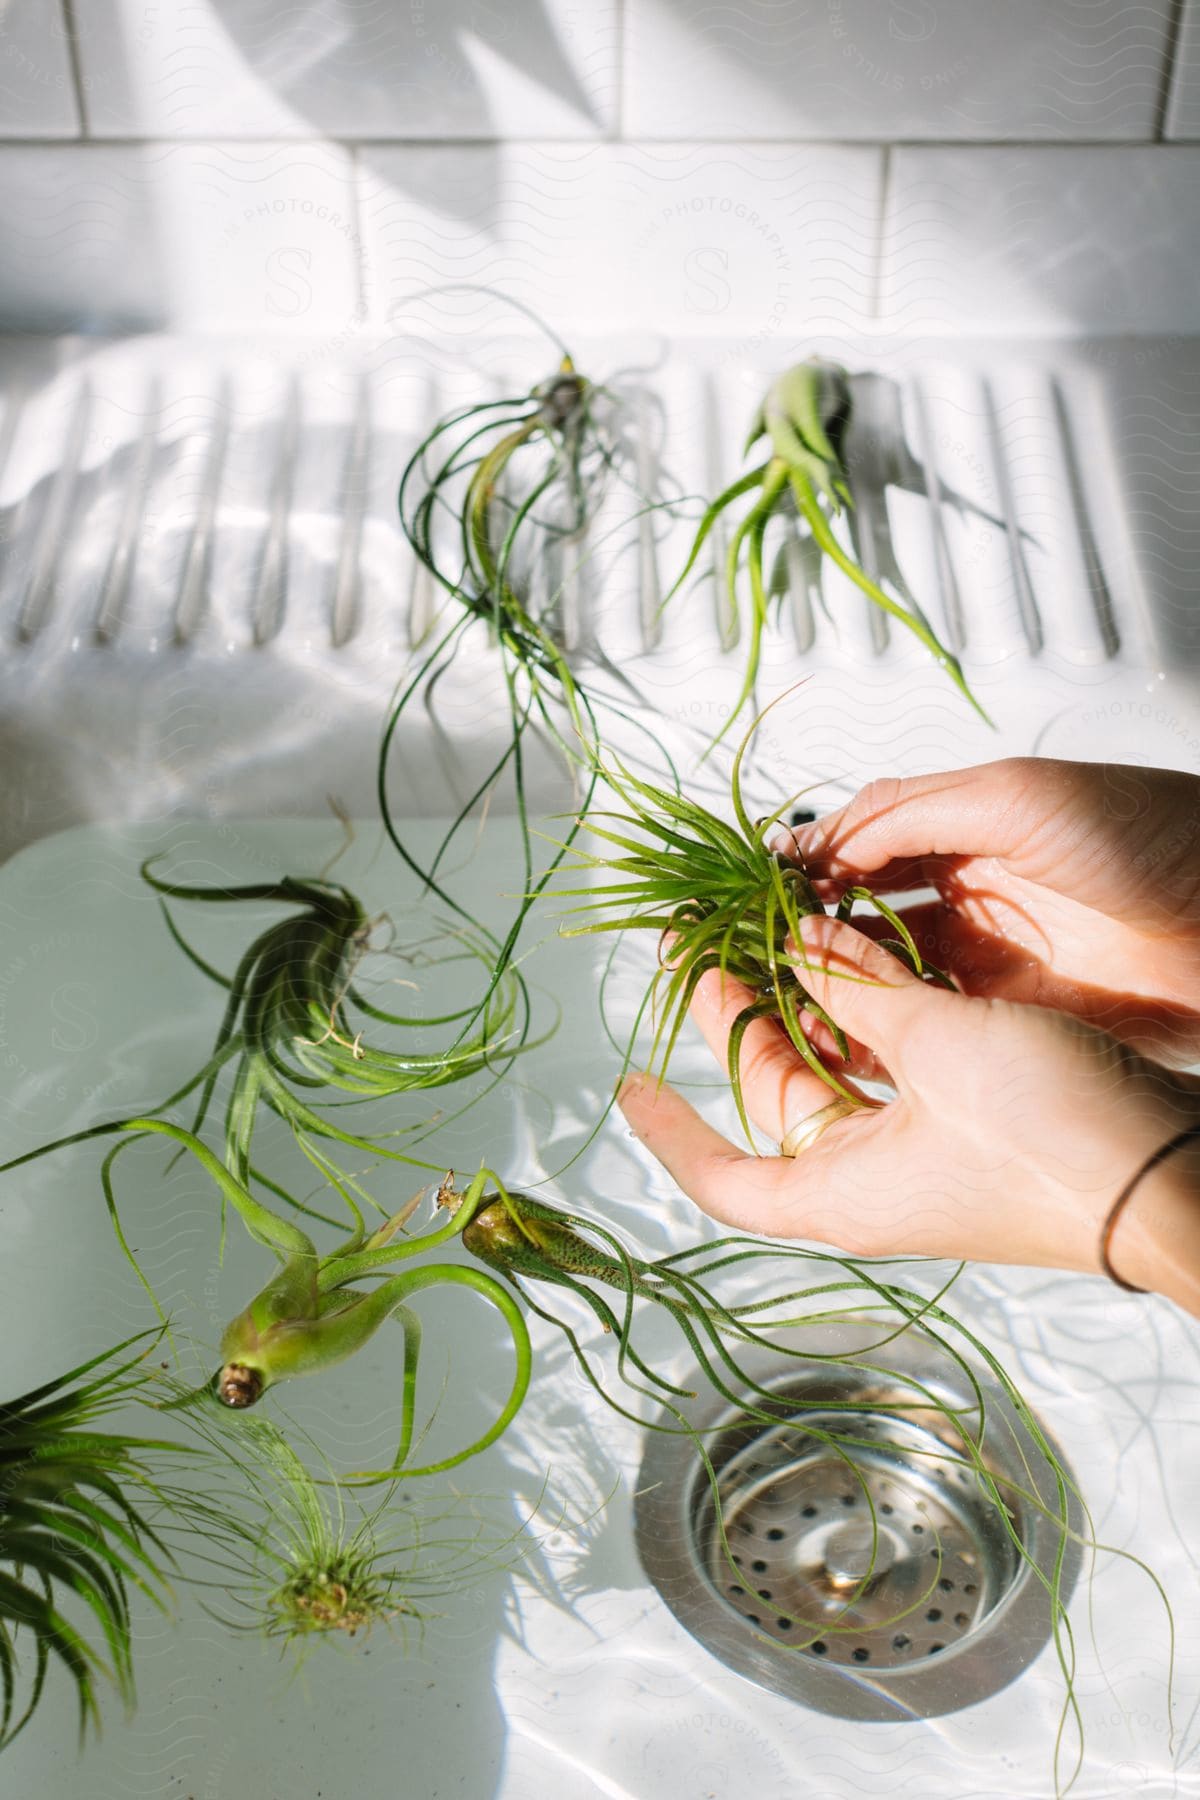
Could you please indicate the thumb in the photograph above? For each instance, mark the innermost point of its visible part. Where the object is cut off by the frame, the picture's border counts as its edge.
(745, 1191)
(868, 991)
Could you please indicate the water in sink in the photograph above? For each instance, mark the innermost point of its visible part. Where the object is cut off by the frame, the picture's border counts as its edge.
(567, 1676)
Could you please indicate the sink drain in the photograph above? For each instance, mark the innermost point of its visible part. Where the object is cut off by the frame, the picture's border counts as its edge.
(862, 1570)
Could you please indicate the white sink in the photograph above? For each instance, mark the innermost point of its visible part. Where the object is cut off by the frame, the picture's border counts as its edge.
(571, 1678)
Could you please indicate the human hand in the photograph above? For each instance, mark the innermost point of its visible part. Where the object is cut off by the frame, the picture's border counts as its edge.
(1066, 885)
(1012, 1131)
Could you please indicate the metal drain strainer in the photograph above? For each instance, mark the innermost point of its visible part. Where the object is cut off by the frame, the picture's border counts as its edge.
(862, 1569)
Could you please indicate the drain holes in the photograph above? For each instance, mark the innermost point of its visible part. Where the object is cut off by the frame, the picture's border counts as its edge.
(810, 1547)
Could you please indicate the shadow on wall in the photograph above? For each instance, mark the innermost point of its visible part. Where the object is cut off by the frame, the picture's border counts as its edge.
(412, 73)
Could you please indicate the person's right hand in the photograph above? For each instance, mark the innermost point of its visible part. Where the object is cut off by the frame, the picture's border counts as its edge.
(1069, 885)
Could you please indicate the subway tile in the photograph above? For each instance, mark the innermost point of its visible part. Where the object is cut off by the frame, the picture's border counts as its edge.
(37, 92)
(1183, 107)
(350, 68)
(258, 236)
(880, 69)
(1057, 240)
(754, 243)
(211, 236)
(78, 246)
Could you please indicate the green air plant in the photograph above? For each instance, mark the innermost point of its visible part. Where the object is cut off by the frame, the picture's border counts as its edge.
(289, 1033)
(76, 1505)
(288, 1020)
(497, 500)
(313, 1313)
(302, 1563)
(803, 484)
(537, 1247)
(721, 898)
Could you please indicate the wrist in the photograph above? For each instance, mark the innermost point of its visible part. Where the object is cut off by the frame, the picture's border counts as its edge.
(1155, 1242)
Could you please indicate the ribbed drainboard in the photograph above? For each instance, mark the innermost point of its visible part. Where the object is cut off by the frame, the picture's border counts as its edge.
(972, 496)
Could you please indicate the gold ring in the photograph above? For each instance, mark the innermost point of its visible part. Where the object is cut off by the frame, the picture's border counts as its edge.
(803, 1136)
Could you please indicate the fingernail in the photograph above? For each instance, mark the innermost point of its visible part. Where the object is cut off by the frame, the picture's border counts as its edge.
(628, 1085)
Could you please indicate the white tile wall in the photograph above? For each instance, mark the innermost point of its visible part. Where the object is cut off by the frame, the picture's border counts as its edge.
(245, 237)
(648, 164)
(258, 237)
(1183, 112)
(37, 94)
(756, 243)
(895, 68)
(78, 239)
(350, 68)
(1063, 240)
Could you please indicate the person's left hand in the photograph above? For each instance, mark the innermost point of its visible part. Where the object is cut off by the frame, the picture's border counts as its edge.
(1012, 1130)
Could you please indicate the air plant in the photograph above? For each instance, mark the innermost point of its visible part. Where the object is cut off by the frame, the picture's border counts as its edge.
(310, 1565)
(535, 1246)
(289, 1025)
(722, 898)
(76, 1504)
(497, 493)
(313, 1314)
(288, 1031)
(803, 483)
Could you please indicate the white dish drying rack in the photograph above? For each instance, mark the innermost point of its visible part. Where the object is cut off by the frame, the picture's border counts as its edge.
(206, 601)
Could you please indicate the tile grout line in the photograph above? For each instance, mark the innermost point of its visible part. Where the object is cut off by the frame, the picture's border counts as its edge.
(71, 32)
(1170, 61)
(618, 131)
(282, 141)
(875, 303)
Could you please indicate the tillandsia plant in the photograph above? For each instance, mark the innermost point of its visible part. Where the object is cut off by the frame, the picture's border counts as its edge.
(302, 1563)
(79, 1505)
(497, 497)
(314, 1314)
(804, 484)
(289, 1017)
(537, 1246)
(289, 1031)
(722, 898)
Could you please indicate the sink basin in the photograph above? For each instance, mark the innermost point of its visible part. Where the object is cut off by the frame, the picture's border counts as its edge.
(568, 1675)
(250, 495)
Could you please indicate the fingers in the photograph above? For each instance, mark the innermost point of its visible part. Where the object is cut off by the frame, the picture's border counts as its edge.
(778, 1088)
(870, 993)
(768, 1195)
(896, 825)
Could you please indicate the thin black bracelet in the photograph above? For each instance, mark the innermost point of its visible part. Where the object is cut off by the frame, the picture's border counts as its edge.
(1114, 1212)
